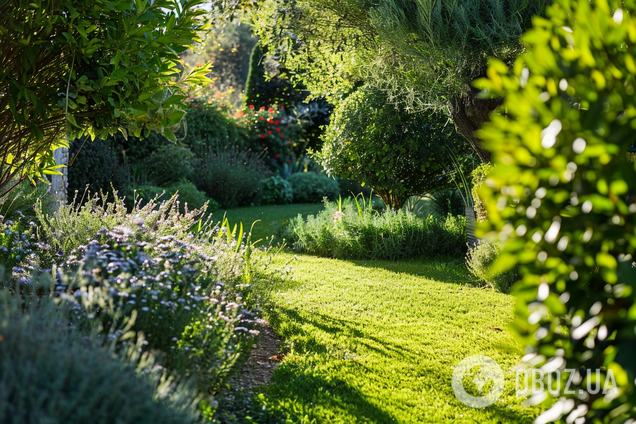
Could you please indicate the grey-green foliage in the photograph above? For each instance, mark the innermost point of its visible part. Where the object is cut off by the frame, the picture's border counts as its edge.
(50, 373)
(351, 229)
(455, 38)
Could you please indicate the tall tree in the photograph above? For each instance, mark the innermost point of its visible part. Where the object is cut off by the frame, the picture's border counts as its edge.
(427, 51)
(70, 68)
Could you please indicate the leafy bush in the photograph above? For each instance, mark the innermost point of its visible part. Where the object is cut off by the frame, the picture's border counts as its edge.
(52, 373)
(230, 176)
(479, 261)
(351, 230)
(311, 187)
(447, 202)
(399, 154)
(188, 194)
(95, 164)
(209, 125)
(276, 191)
(169, 164)
(558, 196)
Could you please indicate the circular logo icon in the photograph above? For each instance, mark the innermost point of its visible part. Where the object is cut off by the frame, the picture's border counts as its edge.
(487, 377)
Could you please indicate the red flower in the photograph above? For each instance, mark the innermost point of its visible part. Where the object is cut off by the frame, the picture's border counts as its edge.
(270, 122)
(262, 135)
(270, 110)
(277, 129)
(262, 119)
(282, 136)
(269, 132)
(251, 106)
(282, 108)
(262, 107)
(276, 156)
(277, 122)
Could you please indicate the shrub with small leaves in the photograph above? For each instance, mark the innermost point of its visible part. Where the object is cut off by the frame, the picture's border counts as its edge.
(479, 175)
(230, 176)
(479, 261)
(558, 196)
(311, 187)
(276, 191)
(169, 164)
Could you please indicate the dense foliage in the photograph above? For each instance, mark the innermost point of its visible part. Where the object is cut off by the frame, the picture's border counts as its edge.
(230, 176)
(427, 52)
(76, 379)
(559, 197)
(96, 166)
(398, 154)
(169, 164)
(351, 229)
(81, 71)
(311, 187)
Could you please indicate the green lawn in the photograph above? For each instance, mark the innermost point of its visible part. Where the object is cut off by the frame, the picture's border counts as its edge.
(270, 217)
(376, 342)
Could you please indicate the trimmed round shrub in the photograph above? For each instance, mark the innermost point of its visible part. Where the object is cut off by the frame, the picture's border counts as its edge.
(51, 374)
(230, 176)
(276, 191)
(96, 165)
(169, 164)
(311, 187)
(399, 154)
(479, 261)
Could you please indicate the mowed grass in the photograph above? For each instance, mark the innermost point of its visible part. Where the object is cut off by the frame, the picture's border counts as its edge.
(269, 218)
(377, 342)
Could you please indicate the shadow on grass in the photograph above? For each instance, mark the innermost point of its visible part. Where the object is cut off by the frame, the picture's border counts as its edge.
(306, 342)
(443, 269)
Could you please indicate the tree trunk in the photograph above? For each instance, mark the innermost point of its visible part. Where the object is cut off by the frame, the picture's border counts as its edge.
(59, 183)
(469, 114)
(471, 222)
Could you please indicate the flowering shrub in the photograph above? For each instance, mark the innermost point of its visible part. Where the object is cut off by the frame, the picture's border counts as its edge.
(77, 223)
(18, 247)
(350, 230)
(272, 132)
(167, 289)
